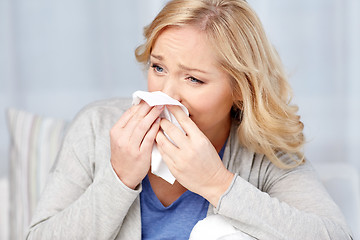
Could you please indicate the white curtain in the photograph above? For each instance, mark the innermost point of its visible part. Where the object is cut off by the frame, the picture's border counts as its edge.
(57, 56)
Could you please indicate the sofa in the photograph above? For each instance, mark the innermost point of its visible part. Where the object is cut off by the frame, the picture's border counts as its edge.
(34, 143)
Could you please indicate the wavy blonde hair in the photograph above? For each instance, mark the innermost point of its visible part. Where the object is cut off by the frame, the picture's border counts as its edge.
(269, 124)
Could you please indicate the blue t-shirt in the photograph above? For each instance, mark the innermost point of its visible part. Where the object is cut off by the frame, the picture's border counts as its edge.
(175, 221)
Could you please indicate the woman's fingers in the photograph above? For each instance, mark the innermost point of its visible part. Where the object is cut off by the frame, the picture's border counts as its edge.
(148, 141)
(185, 122)
(126, 117)
(192, 159)
(132, 138)
(165, 145)
(135, 123)
(142, 125)
(125, 125)
(173, 132)
(138, 115)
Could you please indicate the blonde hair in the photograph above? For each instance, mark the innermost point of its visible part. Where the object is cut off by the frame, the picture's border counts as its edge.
(261, 93)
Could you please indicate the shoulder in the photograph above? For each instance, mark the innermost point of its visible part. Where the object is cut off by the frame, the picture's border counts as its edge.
(98, 117)
(106, 106)
(88, 133)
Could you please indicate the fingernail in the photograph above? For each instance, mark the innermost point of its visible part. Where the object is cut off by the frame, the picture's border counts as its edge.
(158, 120)
(160, 106)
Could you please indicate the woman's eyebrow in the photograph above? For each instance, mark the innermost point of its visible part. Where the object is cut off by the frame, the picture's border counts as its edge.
(191, 69)
(160, 58)
(157, 57)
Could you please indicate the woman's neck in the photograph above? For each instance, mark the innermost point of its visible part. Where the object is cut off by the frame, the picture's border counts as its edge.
(219, 137)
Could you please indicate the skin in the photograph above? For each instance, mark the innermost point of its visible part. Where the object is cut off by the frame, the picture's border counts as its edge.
(182, 65)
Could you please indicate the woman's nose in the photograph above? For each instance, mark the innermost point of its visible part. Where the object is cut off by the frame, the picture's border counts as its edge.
(171, 89)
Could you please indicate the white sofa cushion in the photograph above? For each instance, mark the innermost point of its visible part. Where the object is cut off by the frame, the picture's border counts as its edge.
(4, 213)
(34, 143)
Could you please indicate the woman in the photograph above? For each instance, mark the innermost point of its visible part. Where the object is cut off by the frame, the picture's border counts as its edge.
(240, 157)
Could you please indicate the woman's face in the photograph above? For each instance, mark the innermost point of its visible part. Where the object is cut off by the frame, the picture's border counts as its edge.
(183, 65)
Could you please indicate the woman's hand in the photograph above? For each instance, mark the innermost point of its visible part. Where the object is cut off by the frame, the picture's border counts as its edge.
(131, 140)
(194, 161)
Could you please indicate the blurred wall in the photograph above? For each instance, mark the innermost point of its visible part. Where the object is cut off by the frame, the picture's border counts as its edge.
(57, 56)
(319, 43)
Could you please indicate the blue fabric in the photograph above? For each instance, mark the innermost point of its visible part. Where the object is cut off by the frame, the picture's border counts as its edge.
(221, 153)
(175, 221)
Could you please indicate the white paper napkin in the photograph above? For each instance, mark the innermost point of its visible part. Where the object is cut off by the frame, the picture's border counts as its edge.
(158, 166)
(215, 227)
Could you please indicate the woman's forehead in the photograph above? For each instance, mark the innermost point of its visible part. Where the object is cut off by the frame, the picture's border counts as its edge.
(185, 42)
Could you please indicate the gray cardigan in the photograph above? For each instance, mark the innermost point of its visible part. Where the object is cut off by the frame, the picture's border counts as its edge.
(84, 199)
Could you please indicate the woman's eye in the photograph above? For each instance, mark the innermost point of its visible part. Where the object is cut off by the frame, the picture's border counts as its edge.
(195, 80)
(157, 68)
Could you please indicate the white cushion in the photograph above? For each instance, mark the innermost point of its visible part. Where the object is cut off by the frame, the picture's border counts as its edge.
(34, 144)
(4, 213)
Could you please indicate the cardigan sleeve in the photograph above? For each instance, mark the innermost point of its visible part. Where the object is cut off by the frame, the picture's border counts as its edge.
(293, 204)
(83, 198)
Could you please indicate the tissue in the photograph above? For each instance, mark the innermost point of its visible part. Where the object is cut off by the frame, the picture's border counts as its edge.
(158, 166)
